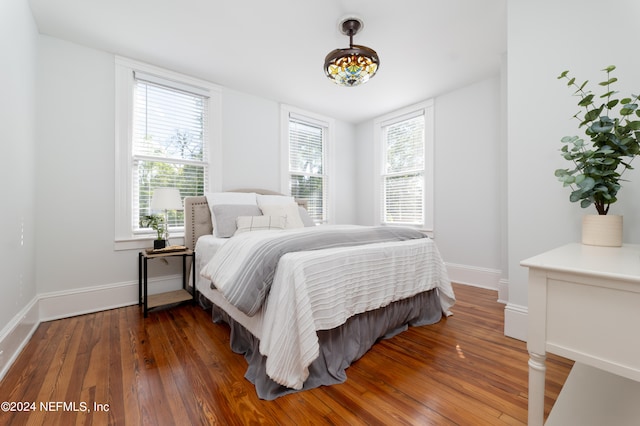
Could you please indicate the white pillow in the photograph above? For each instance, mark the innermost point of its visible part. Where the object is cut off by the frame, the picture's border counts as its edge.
(274, 199)
(259, 223)
(289, 211)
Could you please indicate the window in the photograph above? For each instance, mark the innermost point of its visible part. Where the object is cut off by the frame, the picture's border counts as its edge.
(306, 140)
(405, 152)
(168, 146)
(163, 139)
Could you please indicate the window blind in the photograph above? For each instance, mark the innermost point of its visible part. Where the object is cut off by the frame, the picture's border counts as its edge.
(307, 178)
(169, 146)
(403, 171)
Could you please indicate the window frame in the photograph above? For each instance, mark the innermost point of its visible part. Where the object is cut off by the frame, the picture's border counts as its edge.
(328, 124)
(426, 109)
(124, 238)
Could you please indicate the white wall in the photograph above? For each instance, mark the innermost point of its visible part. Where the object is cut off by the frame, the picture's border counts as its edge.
(365, 173)
(467, 198)
(18, 44)
(250, 149)
(75, 160)
(546, 37)
(467, 181)
(345, 157)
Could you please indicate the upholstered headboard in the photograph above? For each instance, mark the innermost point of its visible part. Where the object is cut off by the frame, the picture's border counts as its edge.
(197, 215)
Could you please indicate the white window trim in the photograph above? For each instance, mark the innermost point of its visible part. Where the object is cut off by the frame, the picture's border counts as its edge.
(429, 175)
(124, 83)
(329, 123)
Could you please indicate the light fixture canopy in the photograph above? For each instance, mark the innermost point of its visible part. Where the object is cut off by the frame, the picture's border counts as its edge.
(352, 66)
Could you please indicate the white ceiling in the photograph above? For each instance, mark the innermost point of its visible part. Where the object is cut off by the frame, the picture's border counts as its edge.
(275, 49)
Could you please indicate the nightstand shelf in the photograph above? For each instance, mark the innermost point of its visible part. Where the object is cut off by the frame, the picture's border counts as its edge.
(170, 297)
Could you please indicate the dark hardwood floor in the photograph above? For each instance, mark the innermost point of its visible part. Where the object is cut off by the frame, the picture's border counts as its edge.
(175, 367)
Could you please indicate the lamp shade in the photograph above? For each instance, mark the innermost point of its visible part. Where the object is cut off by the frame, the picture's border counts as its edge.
(166, 199)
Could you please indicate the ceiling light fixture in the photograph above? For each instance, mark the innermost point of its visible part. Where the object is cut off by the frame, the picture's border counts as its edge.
(355, 65)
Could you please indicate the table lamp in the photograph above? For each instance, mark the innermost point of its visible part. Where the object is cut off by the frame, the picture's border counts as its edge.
(166, 199)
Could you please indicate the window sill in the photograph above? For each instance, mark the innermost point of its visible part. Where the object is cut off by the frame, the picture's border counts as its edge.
(144, 241)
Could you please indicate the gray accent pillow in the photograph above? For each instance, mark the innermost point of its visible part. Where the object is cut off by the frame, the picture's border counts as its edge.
(226, 215)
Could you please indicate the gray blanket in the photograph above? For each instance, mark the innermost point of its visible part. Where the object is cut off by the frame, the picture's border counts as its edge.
(243, 268)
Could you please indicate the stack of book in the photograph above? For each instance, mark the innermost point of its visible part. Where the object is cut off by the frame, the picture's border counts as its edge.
(168, 249)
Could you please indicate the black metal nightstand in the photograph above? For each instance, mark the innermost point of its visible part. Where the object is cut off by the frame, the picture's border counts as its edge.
(169, 297)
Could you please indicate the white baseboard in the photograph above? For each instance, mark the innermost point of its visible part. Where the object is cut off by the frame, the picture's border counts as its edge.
(516, 321)
(16, 334)
(69, 303)
(474, 276)
(503, 291)
(65, 304)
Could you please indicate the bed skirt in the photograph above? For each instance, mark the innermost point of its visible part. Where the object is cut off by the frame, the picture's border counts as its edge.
(339, 347)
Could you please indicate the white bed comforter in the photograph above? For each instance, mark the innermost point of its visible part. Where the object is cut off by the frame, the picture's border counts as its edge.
(243, 269)
(320, 290)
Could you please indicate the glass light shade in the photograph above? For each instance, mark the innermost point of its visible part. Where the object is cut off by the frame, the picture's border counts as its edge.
(166, 199)
(352, 66)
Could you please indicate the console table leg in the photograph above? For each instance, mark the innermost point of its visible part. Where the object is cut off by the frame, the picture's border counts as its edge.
(537, 371)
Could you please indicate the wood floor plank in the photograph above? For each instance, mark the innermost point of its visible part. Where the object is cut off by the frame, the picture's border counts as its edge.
(115, 397)
(176, 367)
(131, 369)
(60, 375)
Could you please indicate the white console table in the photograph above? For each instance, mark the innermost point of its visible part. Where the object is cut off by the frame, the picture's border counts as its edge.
(584, 304)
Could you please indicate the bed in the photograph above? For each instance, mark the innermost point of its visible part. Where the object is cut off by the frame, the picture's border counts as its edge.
(301, 322)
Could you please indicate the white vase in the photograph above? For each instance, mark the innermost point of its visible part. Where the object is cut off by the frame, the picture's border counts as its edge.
(602, 230)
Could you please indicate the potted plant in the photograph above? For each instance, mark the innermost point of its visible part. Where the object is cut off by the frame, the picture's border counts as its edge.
(155, 222)
(612, 141)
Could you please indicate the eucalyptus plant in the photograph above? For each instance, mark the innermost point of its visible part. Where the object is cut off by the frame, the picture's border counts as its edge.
(613, 140)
